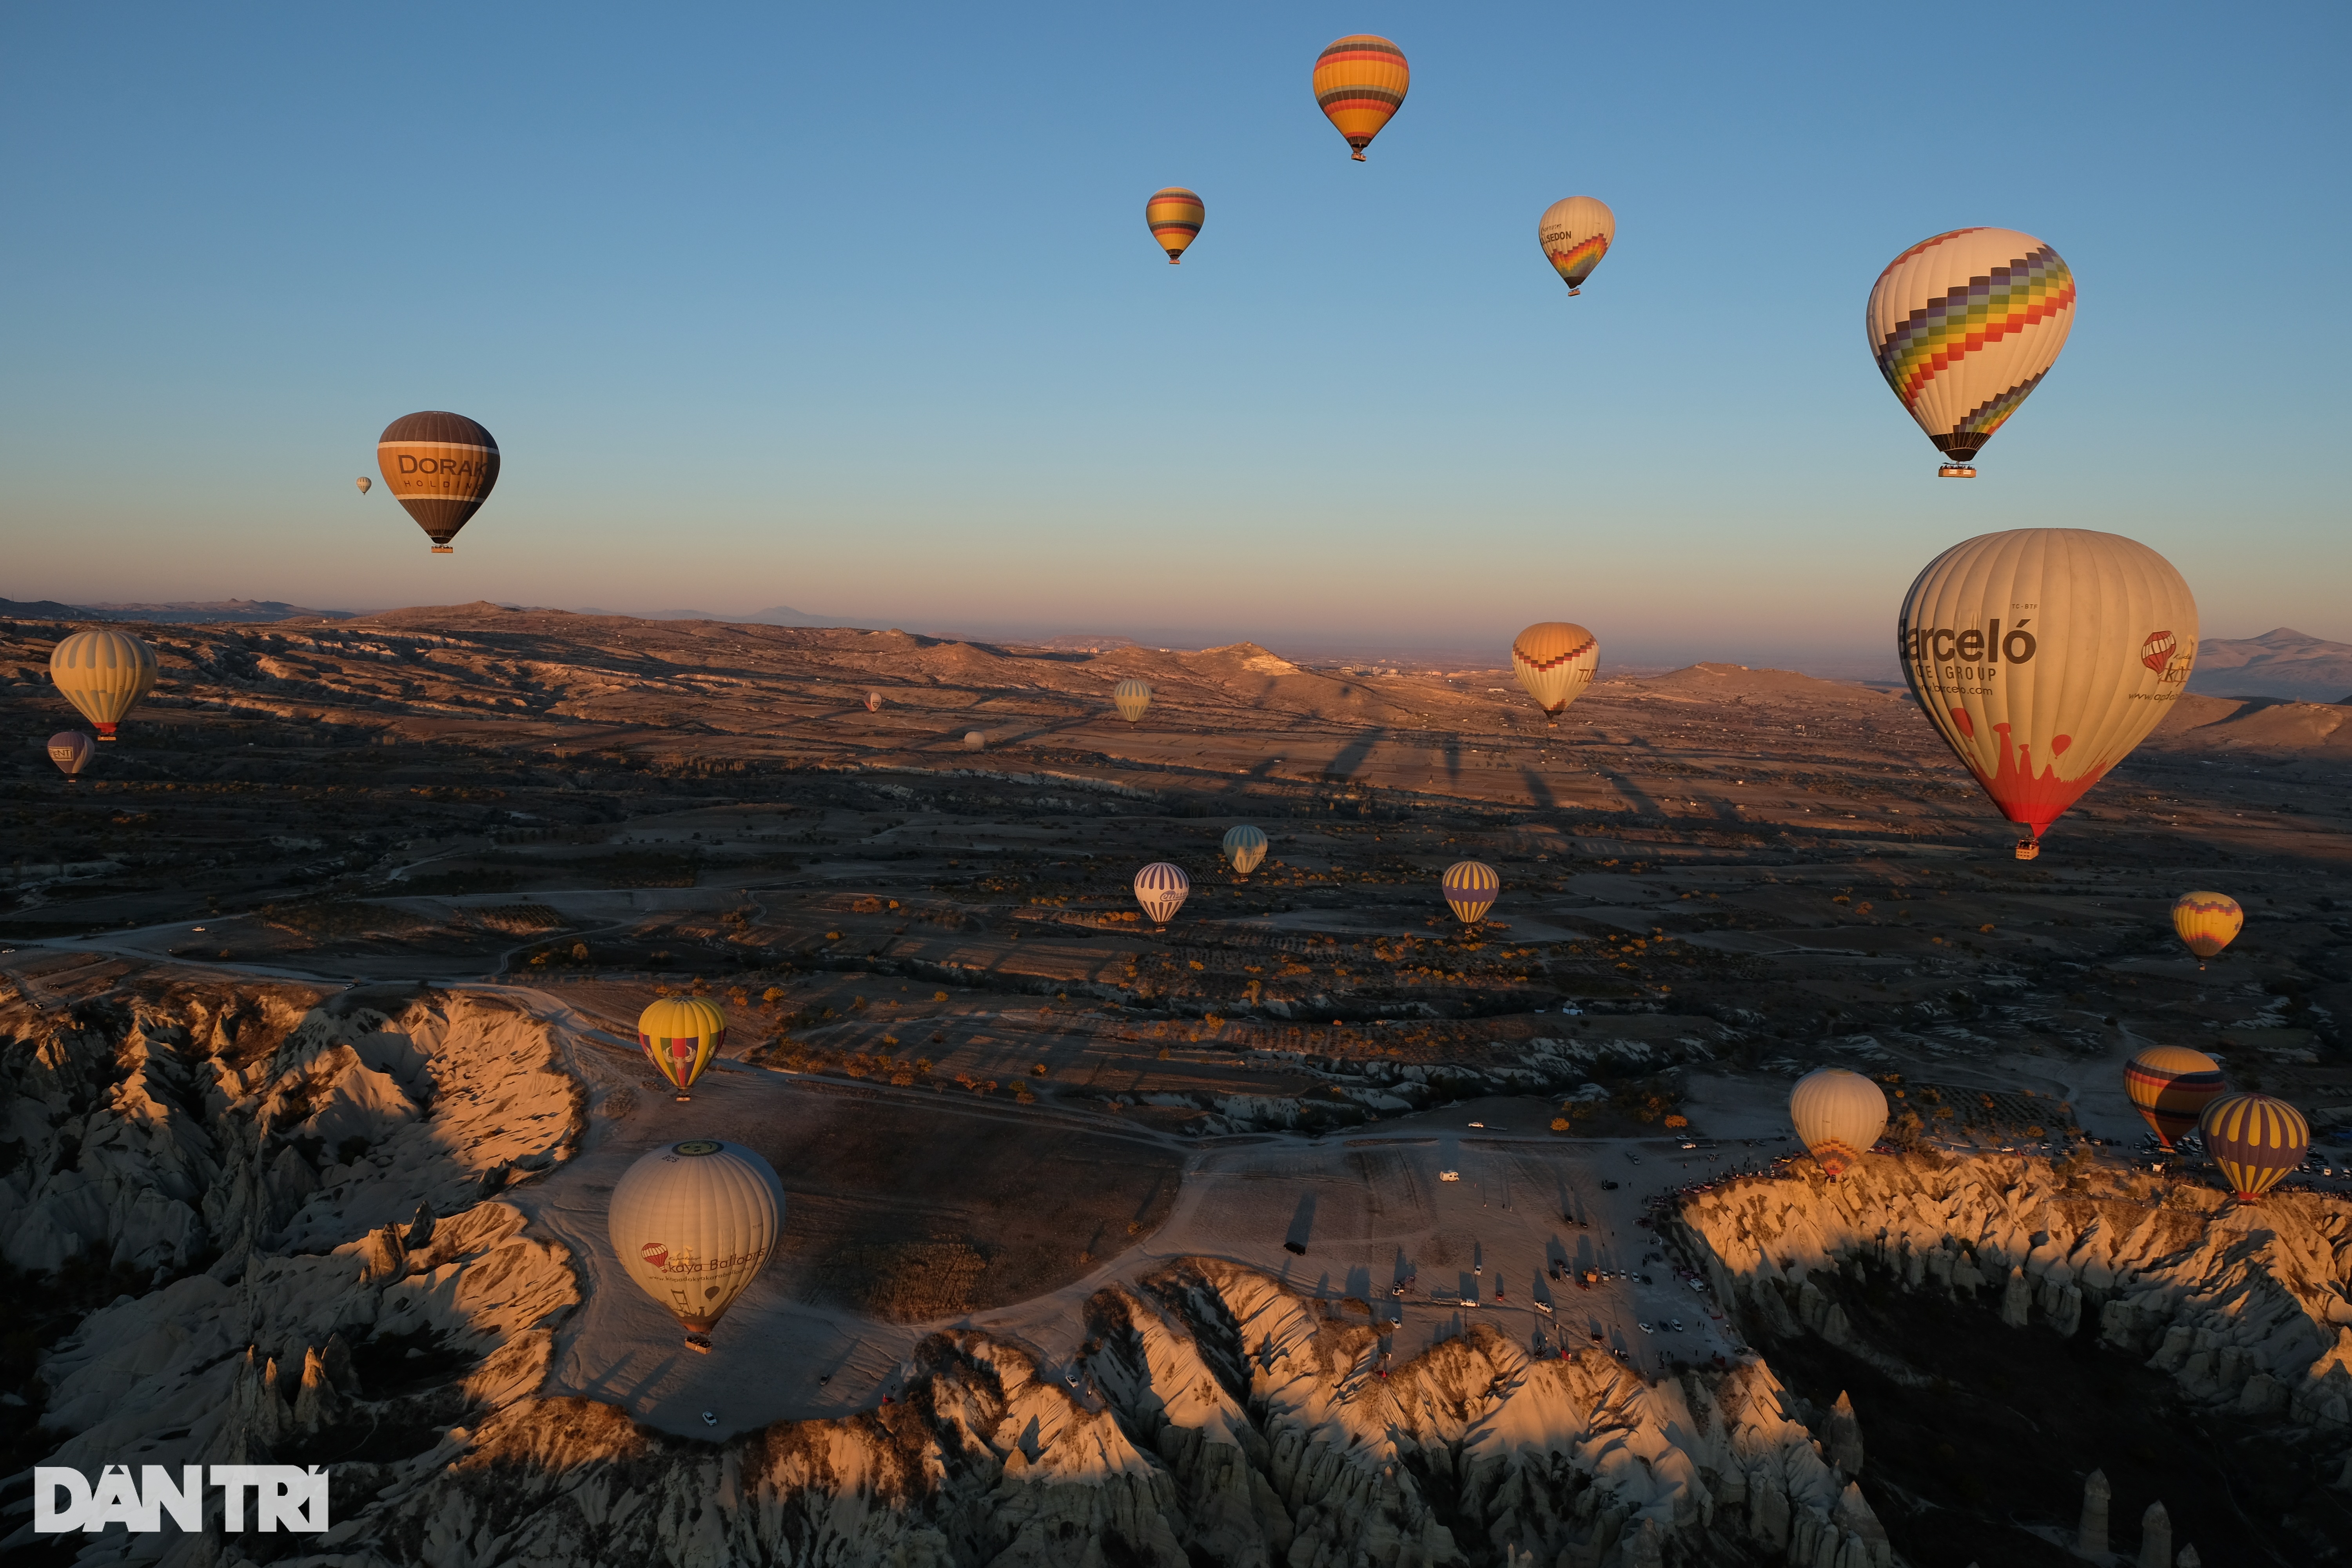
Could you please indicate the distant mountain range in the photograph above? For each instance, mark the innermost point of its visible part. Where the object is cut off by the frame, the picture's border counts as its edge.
(774, 615)
(2280, 663)
(183, 614)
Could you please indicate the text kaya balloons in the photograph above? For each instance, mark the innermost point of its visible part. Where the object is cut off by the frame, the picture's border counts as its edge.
(2208, 922)
(1131, 697)
(365, 484)
(693, 1223)
(1245, 846)
(1161, 888)
(679, 1034)
(2044, 656)
(1838, 1116)
(1575, 235)
(104, 674)
(440, 466)
(2255, 1139)
(1174, 218)
(2170, 1086)
(1964, 327)
(1359, 82)
(71, 751)
(1555, 661)
(1471, 888)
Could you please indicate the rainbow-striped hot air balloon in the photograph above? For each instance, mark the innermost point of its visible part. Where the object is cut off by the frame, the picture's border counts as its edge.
(104, 674)
(1471, 887)
(1161, 888)
(1575, 235)
(2208, 922)
(1131, 697)
(1555, 661)
(1838, 1115)
(2255, 1139)
(679, 1034)
(2171, 1086)
(1964, 327)
(1174, 216)
(1359, 83)
(1245, 846)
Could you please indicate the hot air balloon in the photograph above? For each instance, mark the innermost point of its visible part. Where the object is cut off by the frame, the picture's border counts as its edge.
(1174, 216)
(1161, 888)
(104, 674)
(1575, 235)
(2255, 1139)
(1245, 846)
(2170, 1086)
(1131, 697)
(441, 467)
(679, 1034)
(71, 751)
(365, 484)
(1359, 82)
(1838, 1116)
(974, 740)
(693, 1223)
(874, 702)
(1964, 327)
(2044, 656)
(2208, 922)
(1555, 661)
(1471, 886)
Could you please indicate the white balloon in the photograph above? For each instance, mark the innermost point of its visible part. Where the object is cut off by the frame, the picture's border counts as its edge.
(693, 1223)
(1839, 1114)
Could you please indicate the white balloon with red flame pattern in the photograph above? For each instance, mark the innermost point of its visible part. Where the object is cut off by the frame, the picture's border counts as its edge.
(2043, 656)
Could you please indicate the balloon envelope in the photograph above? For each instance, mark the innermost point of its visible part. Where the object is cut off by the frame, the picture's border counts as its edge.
(1555, 661)
(2170, 1086)
(1838, 1116)
(71, 751)
(1131, 697)
(2044, 656)
(1245, 846)
(104, 673)
(1359, 83)
(1965, 326)
(440, 466)
(1174, 216)
(1471, 887)
(2208, 922)
(679, 1034)
(874, 702)
(693, 1223)
(2255, 1139)
(365, 484)
(1575, 235)
(1161, 888)
(974, 740)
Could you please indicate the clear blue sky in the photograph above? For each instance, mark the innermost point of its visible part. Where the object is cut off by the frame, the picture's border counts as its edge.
(854, 309)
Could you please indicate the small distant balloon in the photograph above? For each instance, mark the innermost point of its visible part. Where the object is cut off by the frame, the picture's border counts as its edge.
(1131, 697)
(71, 751)
(974, 740)
(365, 484)
(679, 1034)
(1359, 83)
(874, 702)
(440, 466)
(1161, 888)
(2208, 922)
(104, 673)
(1471, 887)
(1575, 235)
(1245, 846)
(1174, 216)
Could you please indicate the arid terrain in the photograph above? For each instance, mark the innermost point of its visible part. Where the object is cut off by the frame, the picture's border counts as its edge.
(1234, 1241)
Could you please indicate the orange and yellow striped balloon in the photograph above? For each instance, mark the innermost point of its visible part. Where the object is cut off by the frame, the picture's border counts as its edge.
(1175, 215)
(1359, 82)
(2255, 1139)
(1471, 887)
(2208, 922)
(679, 1034)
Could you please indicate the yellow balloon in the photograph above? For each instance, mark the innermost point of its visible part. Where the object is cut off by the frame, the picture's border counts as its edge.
(679, 1034)
(1131, 697)
(2208, 922)
(1555, 661)
(104, 674)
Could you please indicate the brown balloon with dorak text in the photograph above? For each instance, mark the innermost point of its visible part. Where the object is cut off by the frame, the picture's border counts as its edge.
(440, 466)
